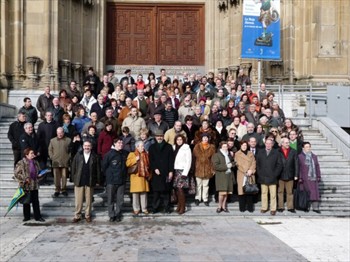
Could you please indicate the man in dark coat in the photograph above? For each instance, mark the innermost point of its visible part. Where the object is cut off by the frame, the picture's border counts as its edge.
(115, 171)
(44, 102)
(85, 174)
(289, 173)
(14, 133)
(161, 157)
(128, 77)
(29, 140)
(29, 111)
(269, 166)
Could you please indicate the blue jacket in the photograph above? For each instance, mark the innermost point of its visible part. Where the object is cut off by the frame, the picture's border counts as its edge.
(114, 167)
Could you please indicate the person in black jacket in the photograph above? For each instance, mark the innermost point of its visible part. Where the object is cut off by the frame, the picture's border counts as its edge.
(29, 140)
(115, 171)
(289, 173)
(86, 174)
(29, 110)
(44, 102)
(269, 166)
(14, 133)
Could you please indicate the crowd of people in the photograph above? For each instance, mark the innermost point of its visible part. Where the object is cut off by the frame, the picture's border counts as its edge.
(195, 135)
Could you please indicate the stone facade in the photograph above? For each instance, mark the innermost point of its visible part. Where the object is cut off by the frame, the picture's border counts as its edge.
(50, 42)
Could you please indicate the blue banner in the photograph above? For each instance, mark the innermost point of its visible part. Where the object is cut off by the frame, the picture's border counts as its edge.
(261, 29)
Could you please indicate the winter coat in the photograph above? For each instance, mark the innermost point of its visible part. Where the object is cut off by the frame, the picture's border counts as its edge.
(16, 130)
(204, 167)
(105, 142)
(94, 165)
(268, 167)
(31, 141)
(79, 122)
(241, 130)
(30, 112)
(290, 165)
(46, 131)
(223, 181)
(88, 104)
(200, 132)
(138, 184)
(128, 143)
(161, 157)
(183, 159)
(169, 135)
(307, 184)
(135, 124)
(22, 173)
(244, 162)
(43, 104)
(59, 151)
(114, 167)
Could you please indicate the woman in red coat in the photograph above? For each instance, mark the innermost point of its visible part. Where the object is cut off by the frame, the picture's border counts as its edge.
(105, 139)
(310, 175)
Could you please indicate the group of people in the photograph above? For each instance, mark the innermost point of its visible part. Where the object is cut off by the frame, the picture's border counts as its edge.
(200, 135)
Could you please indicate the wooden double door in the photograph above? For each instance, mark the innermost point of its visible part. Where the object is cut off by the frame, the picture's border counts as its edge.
(155, 34)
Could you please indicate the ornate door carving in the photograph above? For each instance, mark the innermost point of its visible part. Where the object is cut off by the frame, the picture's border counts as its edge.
(161, 34)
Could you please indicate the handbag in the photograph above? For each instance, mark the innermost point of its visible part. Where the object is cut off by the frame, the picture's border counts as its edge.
(250, 187)
(301, 199)
(132, 169)
(26, 198)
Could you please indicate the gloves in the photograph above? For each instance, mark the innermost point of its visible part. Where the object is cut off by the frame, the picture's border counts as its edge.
(229, 165)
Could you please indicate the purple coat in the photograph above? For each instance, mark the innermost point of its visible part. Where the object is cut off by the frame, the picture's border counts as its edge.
(311, 186)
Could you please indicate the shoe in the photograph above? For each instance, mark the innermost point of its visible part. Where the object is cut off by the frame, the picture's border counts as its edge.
(263, 211)
(167, 210)
(281, 210)
(154, 211)
(206, 203)
(26, 219)
(40, 219)
(88, 219)
(196, 202)
(317, 211)
(76, 220)
(250, 210)
(118, 219)
(273, 213)
(111, 219)
(135, 213)
(219, 210)
(56, 194)
(226, 210)
(291, 210)
(64, 193)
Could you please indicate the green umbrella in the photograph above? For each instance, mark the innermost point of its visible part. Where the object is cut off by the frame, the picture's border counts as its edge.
(16, 197)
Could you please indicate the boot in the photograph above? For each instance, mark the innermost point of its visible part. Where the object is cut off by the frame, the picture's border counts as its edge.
(242, 203)
(181, 201)
(250, 205)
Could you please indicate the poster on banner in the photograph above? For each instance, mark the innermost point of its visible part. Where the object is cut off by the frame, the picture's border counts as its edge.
(261, 29)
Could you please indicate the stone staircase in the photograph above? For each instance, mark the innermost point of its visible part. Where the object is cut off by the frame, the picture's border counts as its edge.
(335, 186)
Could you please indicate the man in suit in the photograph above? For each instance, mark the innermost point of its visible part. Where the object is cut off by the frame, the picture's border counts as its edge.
(269, 166)
(289, 174)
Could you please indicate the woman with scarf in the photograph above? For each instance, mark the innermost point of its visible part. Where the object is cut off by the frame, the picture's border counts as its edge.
(246, 166)
(310, 175)
(26, 173)
(224, 179)
(182, 166)
(139, 185)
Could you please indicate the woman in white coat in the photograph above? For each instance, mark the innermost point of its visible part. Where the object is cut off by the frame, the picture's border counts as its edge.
(182, 166)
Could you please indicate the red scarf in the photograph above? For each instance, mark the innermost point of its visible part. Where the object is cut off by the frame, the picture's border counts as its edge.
(285, 152)
(142, 164)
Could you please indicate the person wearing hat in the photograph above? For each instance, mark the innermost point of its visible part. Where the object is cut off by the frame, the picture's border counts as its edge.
(128, 77)
(112, 78)
(161, 157)
(203, 151)
(157, 123)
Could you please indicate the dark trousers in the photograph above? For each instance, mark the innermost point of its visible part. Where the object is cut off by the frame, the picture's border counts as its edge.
(16, 156)
(34, 199)
(158, 196)
(115, 194)
(246, 203)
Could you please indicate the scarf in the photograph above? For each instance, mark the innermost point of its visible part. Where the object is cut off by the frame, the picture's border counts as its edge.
(177, 148)
(309, 162)
(142, 164)
(32, 170)
(205, 145)
(65, 128)
(227, 160)
(245, 151)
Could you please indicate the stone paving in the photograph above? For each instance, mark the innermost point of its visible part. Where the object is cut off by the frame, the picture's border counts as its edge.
(178, 238)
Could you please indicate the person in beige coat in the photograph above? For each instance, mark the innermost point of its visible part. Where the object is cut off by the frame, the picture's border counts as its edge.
(139, 185)
(246, 166)
(135, 122)
(59, 152)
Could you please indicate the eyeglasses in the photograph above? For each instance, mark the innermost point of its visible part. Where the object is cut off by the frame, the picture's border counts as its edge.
(274, 131)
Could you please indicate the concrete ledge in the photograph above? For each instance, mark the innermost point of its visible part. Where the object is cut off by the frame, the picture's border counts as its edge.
(334, 133)
(7, 110)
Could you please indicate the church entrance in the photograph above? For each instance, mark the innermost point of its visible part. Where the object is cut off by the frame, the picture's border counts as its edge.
(155, 34)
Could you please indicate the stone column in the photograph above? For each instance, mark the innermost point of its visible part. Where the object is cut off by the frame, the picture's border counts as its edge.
(18, 44)
(65, 66)
(32, 75)
(77, 68)
(233, 70)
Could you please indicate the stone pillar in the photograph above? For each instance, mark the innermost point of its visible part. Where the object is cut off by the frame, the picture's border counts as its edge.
(85, 70)
(18, 44)
(223, 71)
(32, 80)
(233, 70)
(65, 66)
